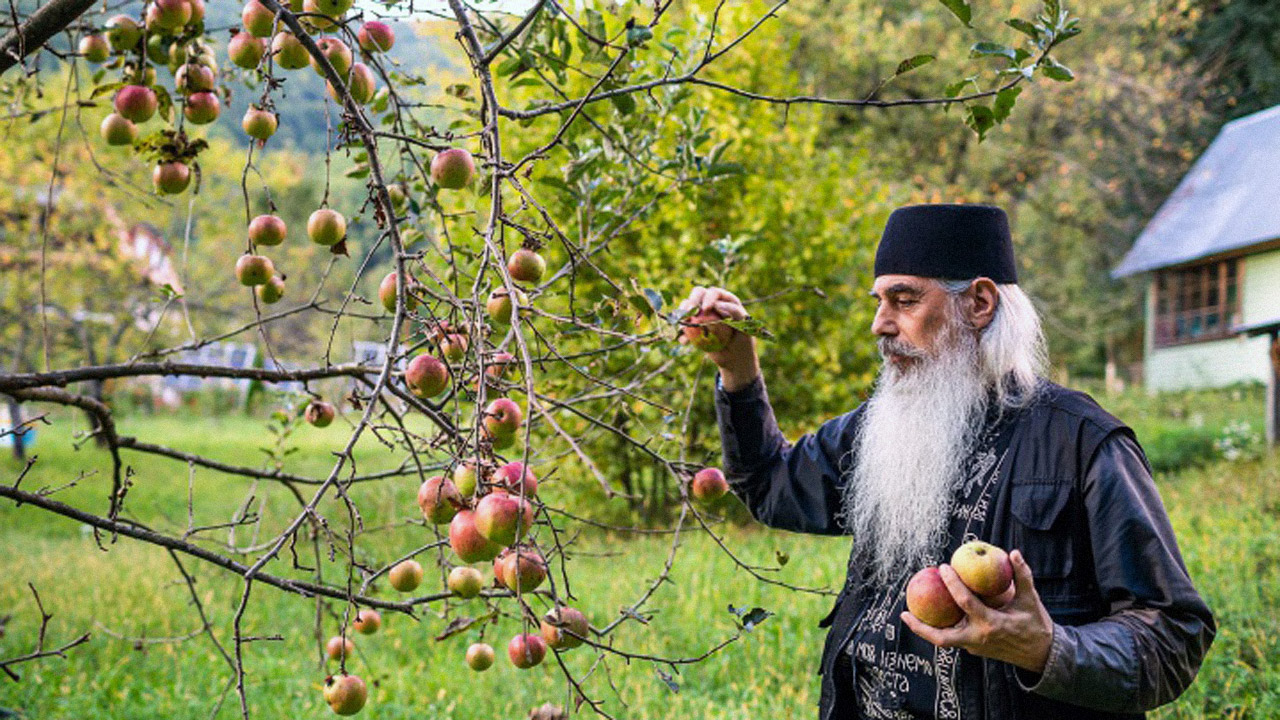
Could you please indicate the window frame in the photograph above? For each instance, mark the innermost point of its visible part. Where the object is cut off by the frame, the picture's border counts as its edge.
(1196, 303)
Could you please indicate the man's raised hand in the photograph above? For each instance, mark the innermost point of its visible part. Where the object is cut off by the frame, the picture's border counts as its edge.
(731, 350)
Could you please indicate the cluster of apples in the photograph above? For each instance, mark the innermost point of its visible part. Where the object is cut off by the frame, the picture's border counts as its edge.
(171, 33)
(984, 568)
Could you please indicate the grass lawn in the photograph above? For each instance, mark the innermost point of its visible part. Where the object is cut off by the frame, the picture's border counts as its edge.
(132, 599)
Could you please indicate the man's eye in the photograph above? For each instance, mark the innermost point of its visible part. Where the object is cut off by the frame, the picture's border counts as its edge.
(907, 302)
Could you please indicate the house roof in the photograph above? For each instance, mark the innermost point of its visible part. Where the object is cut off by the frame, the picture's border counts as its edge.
(1228, 201)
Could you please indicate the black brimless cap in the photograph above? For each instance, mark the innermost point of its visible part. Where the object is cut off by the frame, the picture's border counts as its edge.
(954, 242)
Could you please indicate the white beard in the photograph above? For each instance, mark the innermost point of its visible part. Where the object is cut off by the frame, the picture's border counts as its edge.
(917, 429)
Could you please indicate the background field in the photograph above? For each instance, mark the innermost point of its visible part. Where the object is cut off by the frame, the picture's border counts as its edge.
(1226, 514)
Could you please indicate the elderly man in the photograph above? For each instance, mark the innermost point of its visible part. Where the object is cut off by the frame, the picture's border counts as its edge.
(964, 439)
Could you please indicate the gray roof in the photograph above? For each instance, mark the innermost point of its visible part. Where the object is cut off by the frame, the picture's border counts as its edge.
(1229, 200)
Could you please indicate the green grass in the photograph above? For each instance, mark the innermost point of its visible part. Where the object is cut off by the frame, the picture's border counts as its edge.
(1226, 515)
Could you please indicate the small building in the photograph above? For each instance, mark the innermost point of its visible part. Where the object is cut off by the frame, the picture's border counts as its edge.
(1212, 253)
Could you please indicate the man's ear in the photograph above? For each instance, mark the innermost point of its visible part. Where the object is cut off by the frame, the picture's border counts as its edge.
(984, 298)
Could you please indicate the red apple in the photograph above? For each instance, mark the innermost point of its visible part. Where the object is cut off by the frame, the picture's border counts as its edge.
(705, 332)
(254, 269)
(367, 622)
(289, 51)
(320, 413)
(326, 227)
(346, 694)
(521, 571)
(333, 8)
(554, 624)
(245, 50)
(171, 178)
(467, 542)
(480, 657)
(515, 478)
(339, 647)
(271, 291)
(375, 37)
(197, 12)
(503, 417)
(267, 230)
(426, 376)
(259, 124)
(193, 78)
(454, 347)
(453, 168)
(360, 83)
(202, 108)
(929, 599)
(94, 48)
(406, 576)
(526, 266)
(337, 53)
(258, 20)
(439, 500)
(169, 14)
(387, 293)
(499, 305)
(464, 478)
(709, 484)
(526, 650)
(118, 131)
(136, 103)
(465, 582)
(317, 19)
(123, 33)
(503, 518)
(983, 568)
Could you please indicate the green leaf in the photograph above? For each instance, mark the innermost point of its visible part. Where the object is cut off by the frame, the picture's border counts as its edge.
(639, 35)
(987, 49)
(957, 87)
(750, 326)
(981, 119)
(1055, 70)
(961, 9)
(462, 91)
(912, 63)
(1024, 27)
(1004, 103)
(508, 66)
(719, 169)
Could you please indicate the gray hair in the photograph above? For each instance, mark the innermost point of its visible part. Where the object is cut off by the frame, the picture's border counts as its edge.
(1011, 350)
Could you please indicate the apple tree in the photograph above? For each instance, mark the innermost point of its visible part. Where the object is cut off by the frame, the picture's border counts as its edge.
(525, 223)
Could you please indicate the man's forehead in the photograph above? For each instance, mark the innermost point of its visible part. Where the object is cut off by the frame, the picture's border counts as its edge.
(885, 284)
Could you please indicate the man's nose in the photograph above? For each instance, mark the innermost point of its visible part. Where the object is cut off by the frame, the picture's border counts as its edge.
(883, 325)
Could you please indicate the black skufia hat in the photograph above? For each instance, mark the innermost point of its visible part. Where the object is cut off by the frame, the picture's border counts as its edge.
(953, 242)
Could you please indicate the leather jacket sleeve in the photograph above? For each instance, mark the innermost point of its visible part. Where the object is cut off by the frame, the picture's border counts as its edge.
(1148, 649)
(790, 486)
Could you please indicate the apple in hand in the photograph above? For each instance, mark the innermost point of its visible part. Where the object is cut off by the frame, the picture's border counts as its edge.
(705, 331)
(929, 599)
(983, 568)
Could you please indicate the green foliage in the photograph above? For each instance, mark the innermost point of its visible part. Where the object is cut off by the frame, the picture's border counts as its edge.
(1226, 518)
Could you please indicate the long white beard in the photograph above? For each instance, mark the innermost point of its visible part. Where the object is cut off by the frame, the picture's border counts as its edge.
(917, 430)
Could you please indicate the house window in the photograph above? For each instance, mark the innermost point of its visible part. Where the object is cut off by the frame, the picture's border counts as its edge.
(1196, 303)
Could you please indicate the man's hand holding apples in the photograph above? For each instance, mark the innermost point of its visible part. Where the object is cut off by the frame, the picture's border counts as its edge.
(1011, 625)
